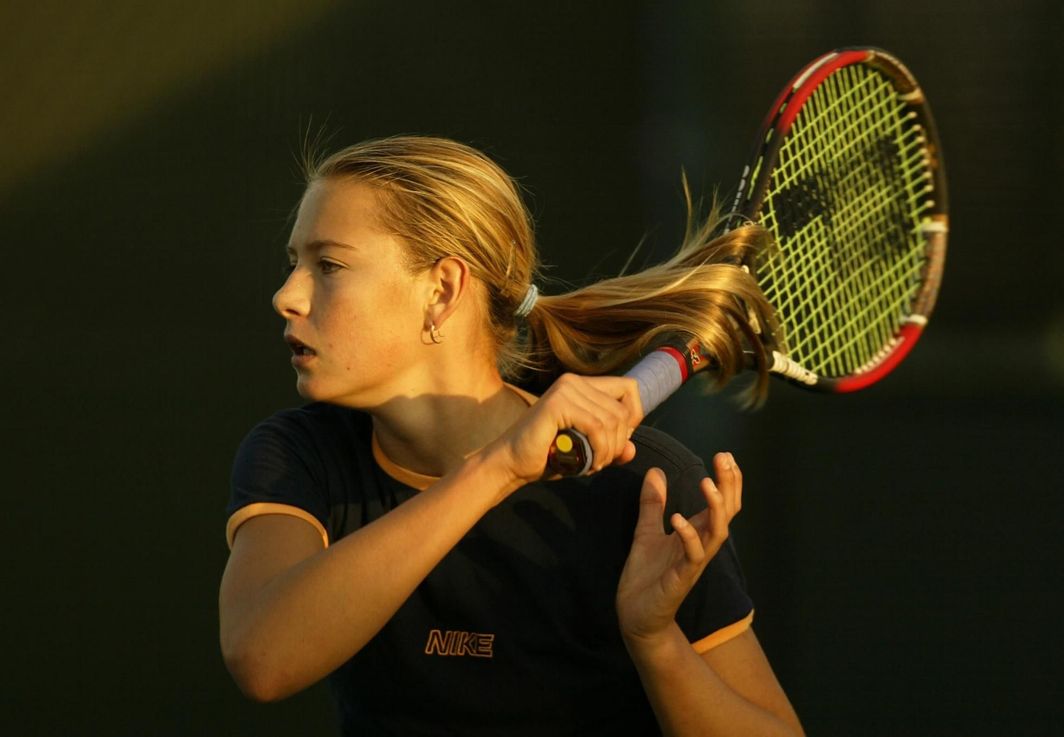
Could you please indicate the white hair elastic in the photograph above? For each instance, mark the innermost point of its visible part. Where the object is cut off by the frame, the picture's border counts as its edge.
(528, 302)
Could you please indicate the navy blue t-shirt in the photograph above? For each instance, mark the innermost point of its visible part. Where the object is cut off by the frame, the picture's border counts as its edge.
(514, 632)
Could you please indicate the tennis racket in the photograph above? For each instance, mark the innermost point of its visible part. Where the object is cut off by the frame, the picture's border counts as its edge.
(847, 175)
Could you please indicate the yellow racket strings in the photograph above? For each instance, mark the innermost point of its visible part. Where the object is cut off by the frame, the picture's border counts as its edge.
(846, 204)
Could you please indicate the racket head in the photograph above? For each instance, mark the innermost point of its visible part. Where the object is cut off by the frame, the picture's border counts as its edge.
(847, 175)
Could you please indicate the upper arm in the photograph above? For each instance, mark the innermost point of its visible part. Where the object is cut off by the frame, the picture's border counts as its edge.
(264, 547)
(742, 665)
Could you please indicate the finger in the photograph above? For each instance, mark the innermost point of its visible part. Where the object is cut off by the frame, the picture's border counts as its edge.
(601, 408)
(599, 395)
(737, 485)
(627, 454)
(620, 411)
(625, 391)
(737, 475)
(729, 482)
(693, 548)
(578, 408)
(632, 401)
(600, 438)
(652, 503)
(718, 515)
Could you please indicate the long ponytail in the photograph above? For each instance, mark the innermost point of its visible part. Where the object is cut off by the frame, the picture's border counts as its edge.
(701, 292)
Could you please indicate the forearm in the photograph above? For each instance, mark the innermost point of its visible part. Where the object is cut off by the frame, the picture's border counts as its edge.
(690, 698)
(308, 620)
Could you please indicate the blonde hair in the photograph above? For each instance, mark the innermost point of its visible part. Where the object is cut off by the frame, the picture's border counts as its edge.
(443, 198)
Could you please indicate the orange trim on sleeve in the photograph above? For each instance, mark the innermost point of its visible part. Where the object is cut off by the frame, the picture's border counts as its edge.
(258, 509)
(723, 634)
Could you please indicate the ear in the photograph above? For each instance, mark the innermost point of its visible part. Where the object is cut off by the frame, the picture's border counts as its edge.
(449, 281)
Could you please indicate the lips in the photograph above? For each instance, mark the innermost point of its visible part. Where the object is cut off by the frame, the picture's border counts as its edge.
(299, 348)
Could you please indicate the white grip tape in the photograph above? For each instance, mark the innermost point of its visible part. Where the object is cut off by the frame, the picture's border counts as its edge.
(658, 376)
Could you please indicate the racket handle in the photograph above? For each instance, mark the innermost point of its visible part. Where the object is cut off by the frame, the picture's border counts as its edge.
(658, 375)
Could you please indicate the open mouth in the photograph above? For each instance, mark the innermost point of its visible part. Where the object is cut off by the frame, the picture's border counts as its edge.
(299, 348)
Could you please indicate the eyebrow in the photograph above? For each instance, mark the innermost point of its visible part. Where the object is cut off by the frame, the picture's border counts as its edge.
(317, 245)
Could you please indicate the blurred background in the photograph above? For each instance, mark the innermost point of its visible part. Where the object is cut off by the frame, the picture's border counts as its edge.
(902, 545)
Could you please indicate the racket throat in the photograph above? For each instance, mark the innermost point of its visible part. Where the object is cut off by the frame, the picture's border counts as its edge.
(791, 370)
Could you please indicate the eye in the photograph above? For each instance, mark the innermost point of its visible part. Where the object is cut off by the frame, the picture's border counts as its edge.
(287, 269)
(328, 267)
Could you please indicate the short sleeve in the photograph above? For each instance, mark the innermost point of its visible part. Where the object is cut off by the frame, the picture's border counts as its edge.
(274, 473)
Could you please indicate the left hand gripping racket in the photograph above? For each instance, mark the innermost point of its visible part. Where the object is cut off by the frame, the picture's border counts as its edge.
(847, 175)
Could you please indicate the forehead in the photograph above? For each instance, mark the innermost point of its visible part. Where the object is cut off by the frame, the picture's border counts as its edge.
(335, 209)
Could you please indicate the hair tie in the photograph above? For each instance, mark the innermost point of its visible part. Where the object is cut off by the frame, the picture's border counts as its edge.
(528, 302)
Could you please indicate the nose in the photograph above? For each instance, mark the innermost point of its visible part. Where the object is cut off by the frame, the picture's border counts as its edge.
(293, 298)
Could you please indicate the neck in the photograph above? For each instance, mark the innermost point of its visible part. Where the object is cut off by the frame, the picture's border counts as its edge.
(433, 433)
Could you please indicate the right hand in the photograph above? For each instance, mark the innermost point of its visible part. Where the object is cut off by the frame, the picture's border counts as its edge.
(604, 408)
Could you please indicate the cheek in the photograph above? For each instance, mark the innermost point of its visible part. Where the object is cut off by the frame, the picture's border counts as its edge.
(403, 306)
(375, 329)
(338, 327)
(371, 338)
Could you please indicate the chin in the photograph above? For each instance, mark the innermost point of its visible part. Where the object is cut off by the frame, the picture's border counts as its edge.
(315, 391)
(307, 389)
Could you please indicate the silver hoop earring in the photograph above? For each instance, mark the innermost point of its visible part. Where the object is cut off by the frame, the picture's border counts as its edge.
(434, 333)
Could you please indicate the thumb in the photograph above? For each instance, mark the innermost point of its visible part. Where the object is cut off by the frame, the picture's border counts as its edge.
(652, 503)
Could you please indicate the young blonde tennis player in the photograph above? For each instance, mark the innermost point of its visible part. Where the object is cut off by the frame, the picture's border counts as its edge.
(396, 535)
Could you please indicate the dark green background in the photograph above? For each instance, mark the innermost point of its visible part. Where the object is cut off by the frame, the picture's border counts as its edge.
(902, 544)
